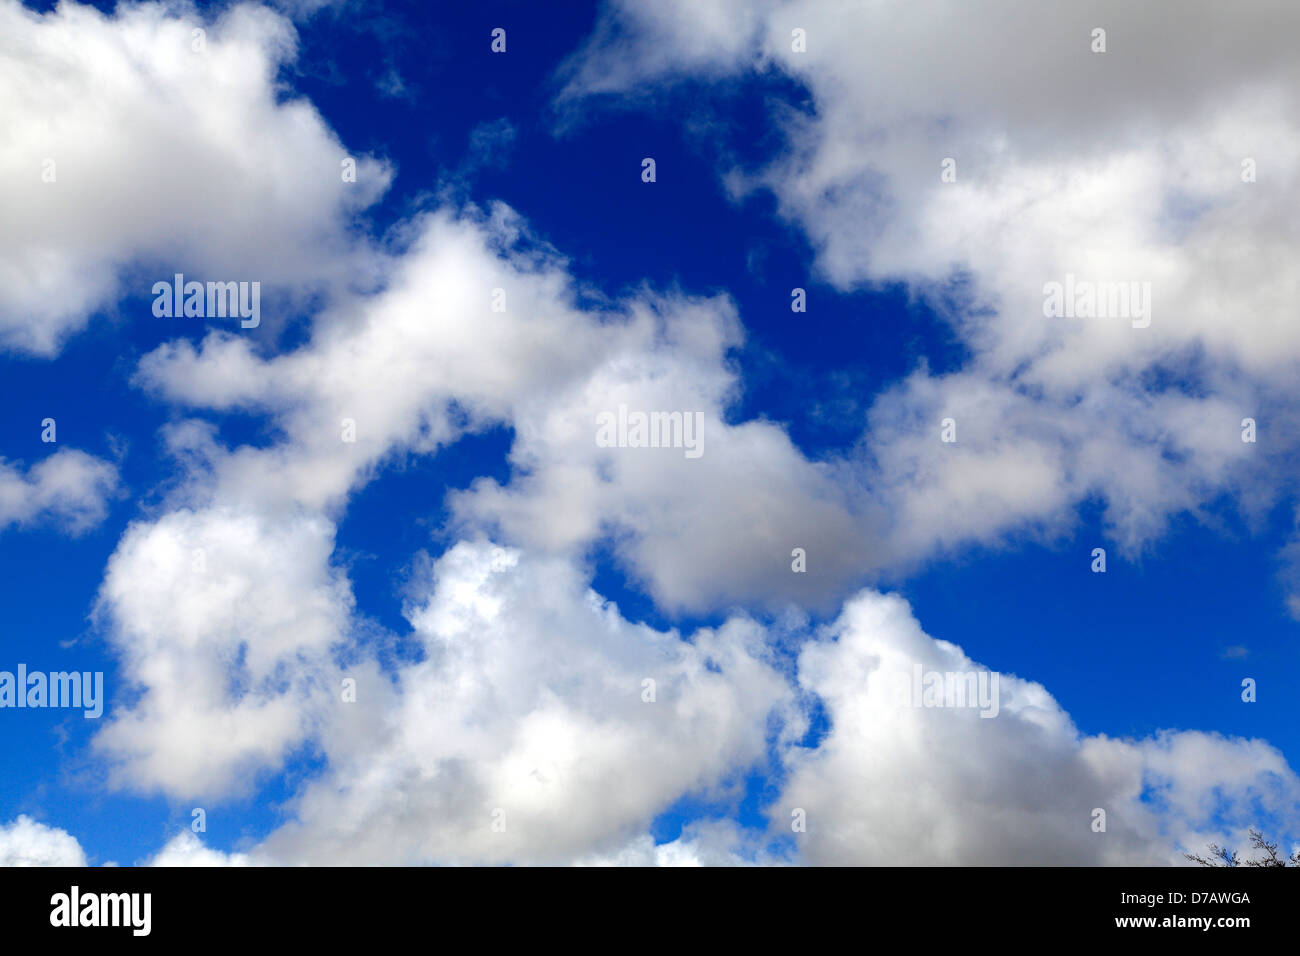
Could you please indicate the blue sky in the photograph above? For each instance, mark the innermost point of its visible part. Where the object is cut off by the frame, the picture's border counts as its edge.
(1146, 647)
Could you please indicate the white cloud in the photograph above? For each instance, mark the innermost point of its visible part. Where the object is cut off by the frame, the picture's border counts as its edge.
(529, 711)
(897, 784)
(223, 622)
(428, 360)
(1124, 165)
(527, 700)
(701, 843)
(25, 842)
(644, 41)
(233, 667)
(186, 849)
(165, 159)
(69, 488)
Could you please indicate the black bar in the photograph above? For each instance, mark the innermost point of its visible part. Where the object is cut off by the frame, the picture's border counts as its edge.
(301, 906)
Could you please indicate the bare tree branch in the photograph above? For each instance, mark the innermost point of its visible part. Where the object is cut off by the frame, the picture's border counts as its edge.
(1220, 856)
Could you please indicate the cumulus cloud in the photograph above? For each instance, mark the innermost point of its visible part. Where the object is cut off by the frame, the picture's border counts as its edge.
(69, 488)
(701, 843)
(524, 735)
(187, 849)
(529, 732)
(429, 360)
(223, 622)
(1127, 165)
(894, 782)
(228, 615)
(525, 708)
(25, 842)
(135, 146)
